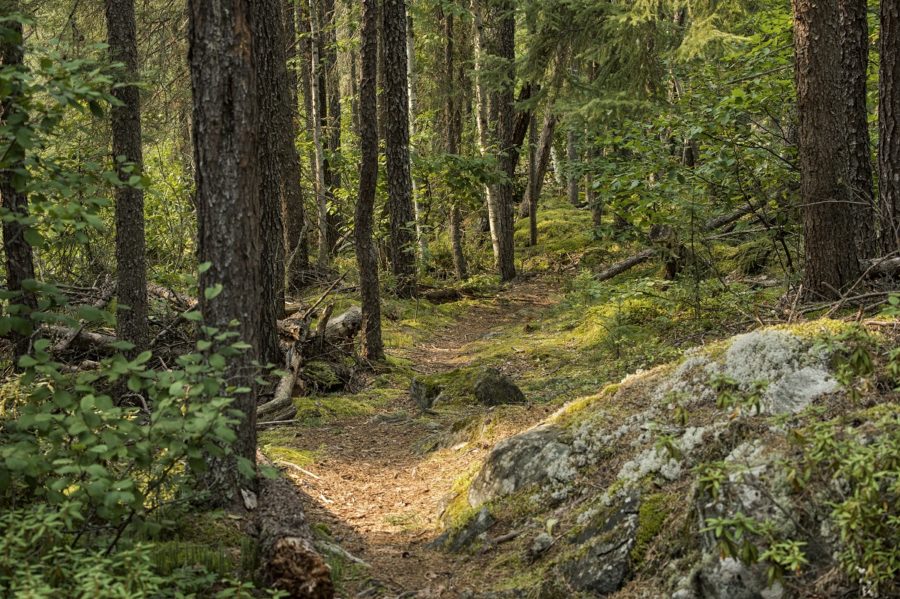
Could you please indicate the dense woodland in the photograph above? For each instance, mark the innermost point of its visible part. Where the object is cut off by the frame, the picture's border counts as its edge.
(276, 270)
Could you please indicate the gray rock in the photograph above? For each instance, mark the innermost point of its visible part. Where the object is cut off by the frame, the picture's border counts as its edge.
(534, 457)
(493, 388)
(730, 579)
(424, 393)
(603, 563)
(540, 544)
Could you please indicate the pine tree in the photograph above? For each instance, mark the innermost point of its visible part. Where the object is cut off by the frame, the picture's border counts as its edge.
(829, 245)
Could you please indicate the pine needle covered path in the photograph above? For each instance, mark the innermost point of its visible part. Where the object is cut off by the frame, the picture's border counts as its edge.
(376, 484)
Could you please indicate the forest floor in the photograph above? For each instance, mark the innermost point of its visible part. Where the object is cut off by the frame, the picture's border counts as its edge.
(377, 483)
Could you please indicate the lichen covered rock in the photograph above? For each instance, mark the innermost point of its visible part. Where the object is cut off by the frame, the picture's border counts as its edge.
(536, 456)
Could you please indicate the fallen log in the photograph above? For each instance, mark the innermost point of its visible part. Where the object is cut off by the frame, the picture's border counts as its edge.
(882, 266)
(64, 343)
(641, 257)
(80, 335)
(289, 560)
(282, 406)
(627, 264)
(345, 326)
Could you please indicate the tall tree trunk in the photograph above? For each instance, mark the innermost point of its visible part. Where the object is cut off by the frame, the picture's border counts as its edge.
(19, 255)
(366, 258)
(400, 202)
(571, 168)
(293, 213)
(131, 260)
(330, 114)
(593, 201)
(304, 48)
(531, 191)
(855, 62)
(324, 256)
(545, 146)
(831, 261)
(354, 90)
(279, 170)
(495, 37)
(421, 238)
(453, 115)
(889, 127)
(223, 78)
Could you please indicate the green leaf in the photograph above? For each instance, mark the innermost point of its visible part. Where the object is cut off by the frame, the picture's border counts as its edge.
(212, 292)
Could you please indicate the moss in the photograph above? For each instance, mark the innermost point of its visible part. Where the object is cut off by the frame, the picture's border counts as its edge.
(298, 457)
(317, 410)
(321, 375)
(652, 515)
(815, 330)
(458, 511)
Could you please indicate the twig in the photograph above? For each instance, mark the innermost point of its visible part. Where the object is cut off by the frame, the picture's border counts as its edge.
(322, 298)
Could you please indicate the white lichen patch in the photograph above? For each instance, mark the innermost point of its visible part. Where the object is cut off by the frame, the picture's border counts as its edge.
(791, 371)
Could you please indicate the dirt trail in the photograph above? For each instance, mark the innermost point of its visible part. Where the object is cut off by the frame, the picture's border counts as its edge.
(379, 495)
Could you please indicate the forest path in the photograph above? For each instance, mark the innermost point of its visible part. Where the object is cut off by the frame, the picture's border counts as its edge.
(376, 486)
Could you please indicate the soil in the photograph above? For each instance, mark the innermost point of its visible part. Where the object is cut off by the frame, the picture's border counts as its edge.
(380, 495)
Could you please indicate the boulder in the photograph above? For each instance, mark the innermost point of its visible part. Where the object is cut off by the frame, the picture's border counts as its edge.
(602, 563)
(493, 388)
(534, 457)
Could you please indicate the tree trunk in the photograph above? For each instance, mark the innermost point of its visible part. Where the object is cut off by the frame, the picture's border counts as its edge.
(19, 255)
(545, 147)
(131, 260)
(324, 250)
(571, 168)
(831, 261)
(855, 62)
(330, 113)
(453, 115)
(289, 560)
(366, 258)
(531, 192)
(400, 202)
(495, 36)
(223, 78)
(889, 127)
(279, 170)
(421, 238)
(293, 213)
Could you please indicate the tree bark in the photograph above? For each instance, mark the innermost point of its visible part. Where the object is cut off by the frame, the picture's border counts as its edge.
(855, 62)
(330, 115)
(531, 192)
(293, 212)
(400, 201)
(421, 238)
(495, 39)
(571, 168)
(829, 244)
(289, 560)
(889, 127)
(366, 258)
(545, 146)
(315, 118)
(131, 260)
(453, 116)
(275, 142)
(223, 78)
(19, 254)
